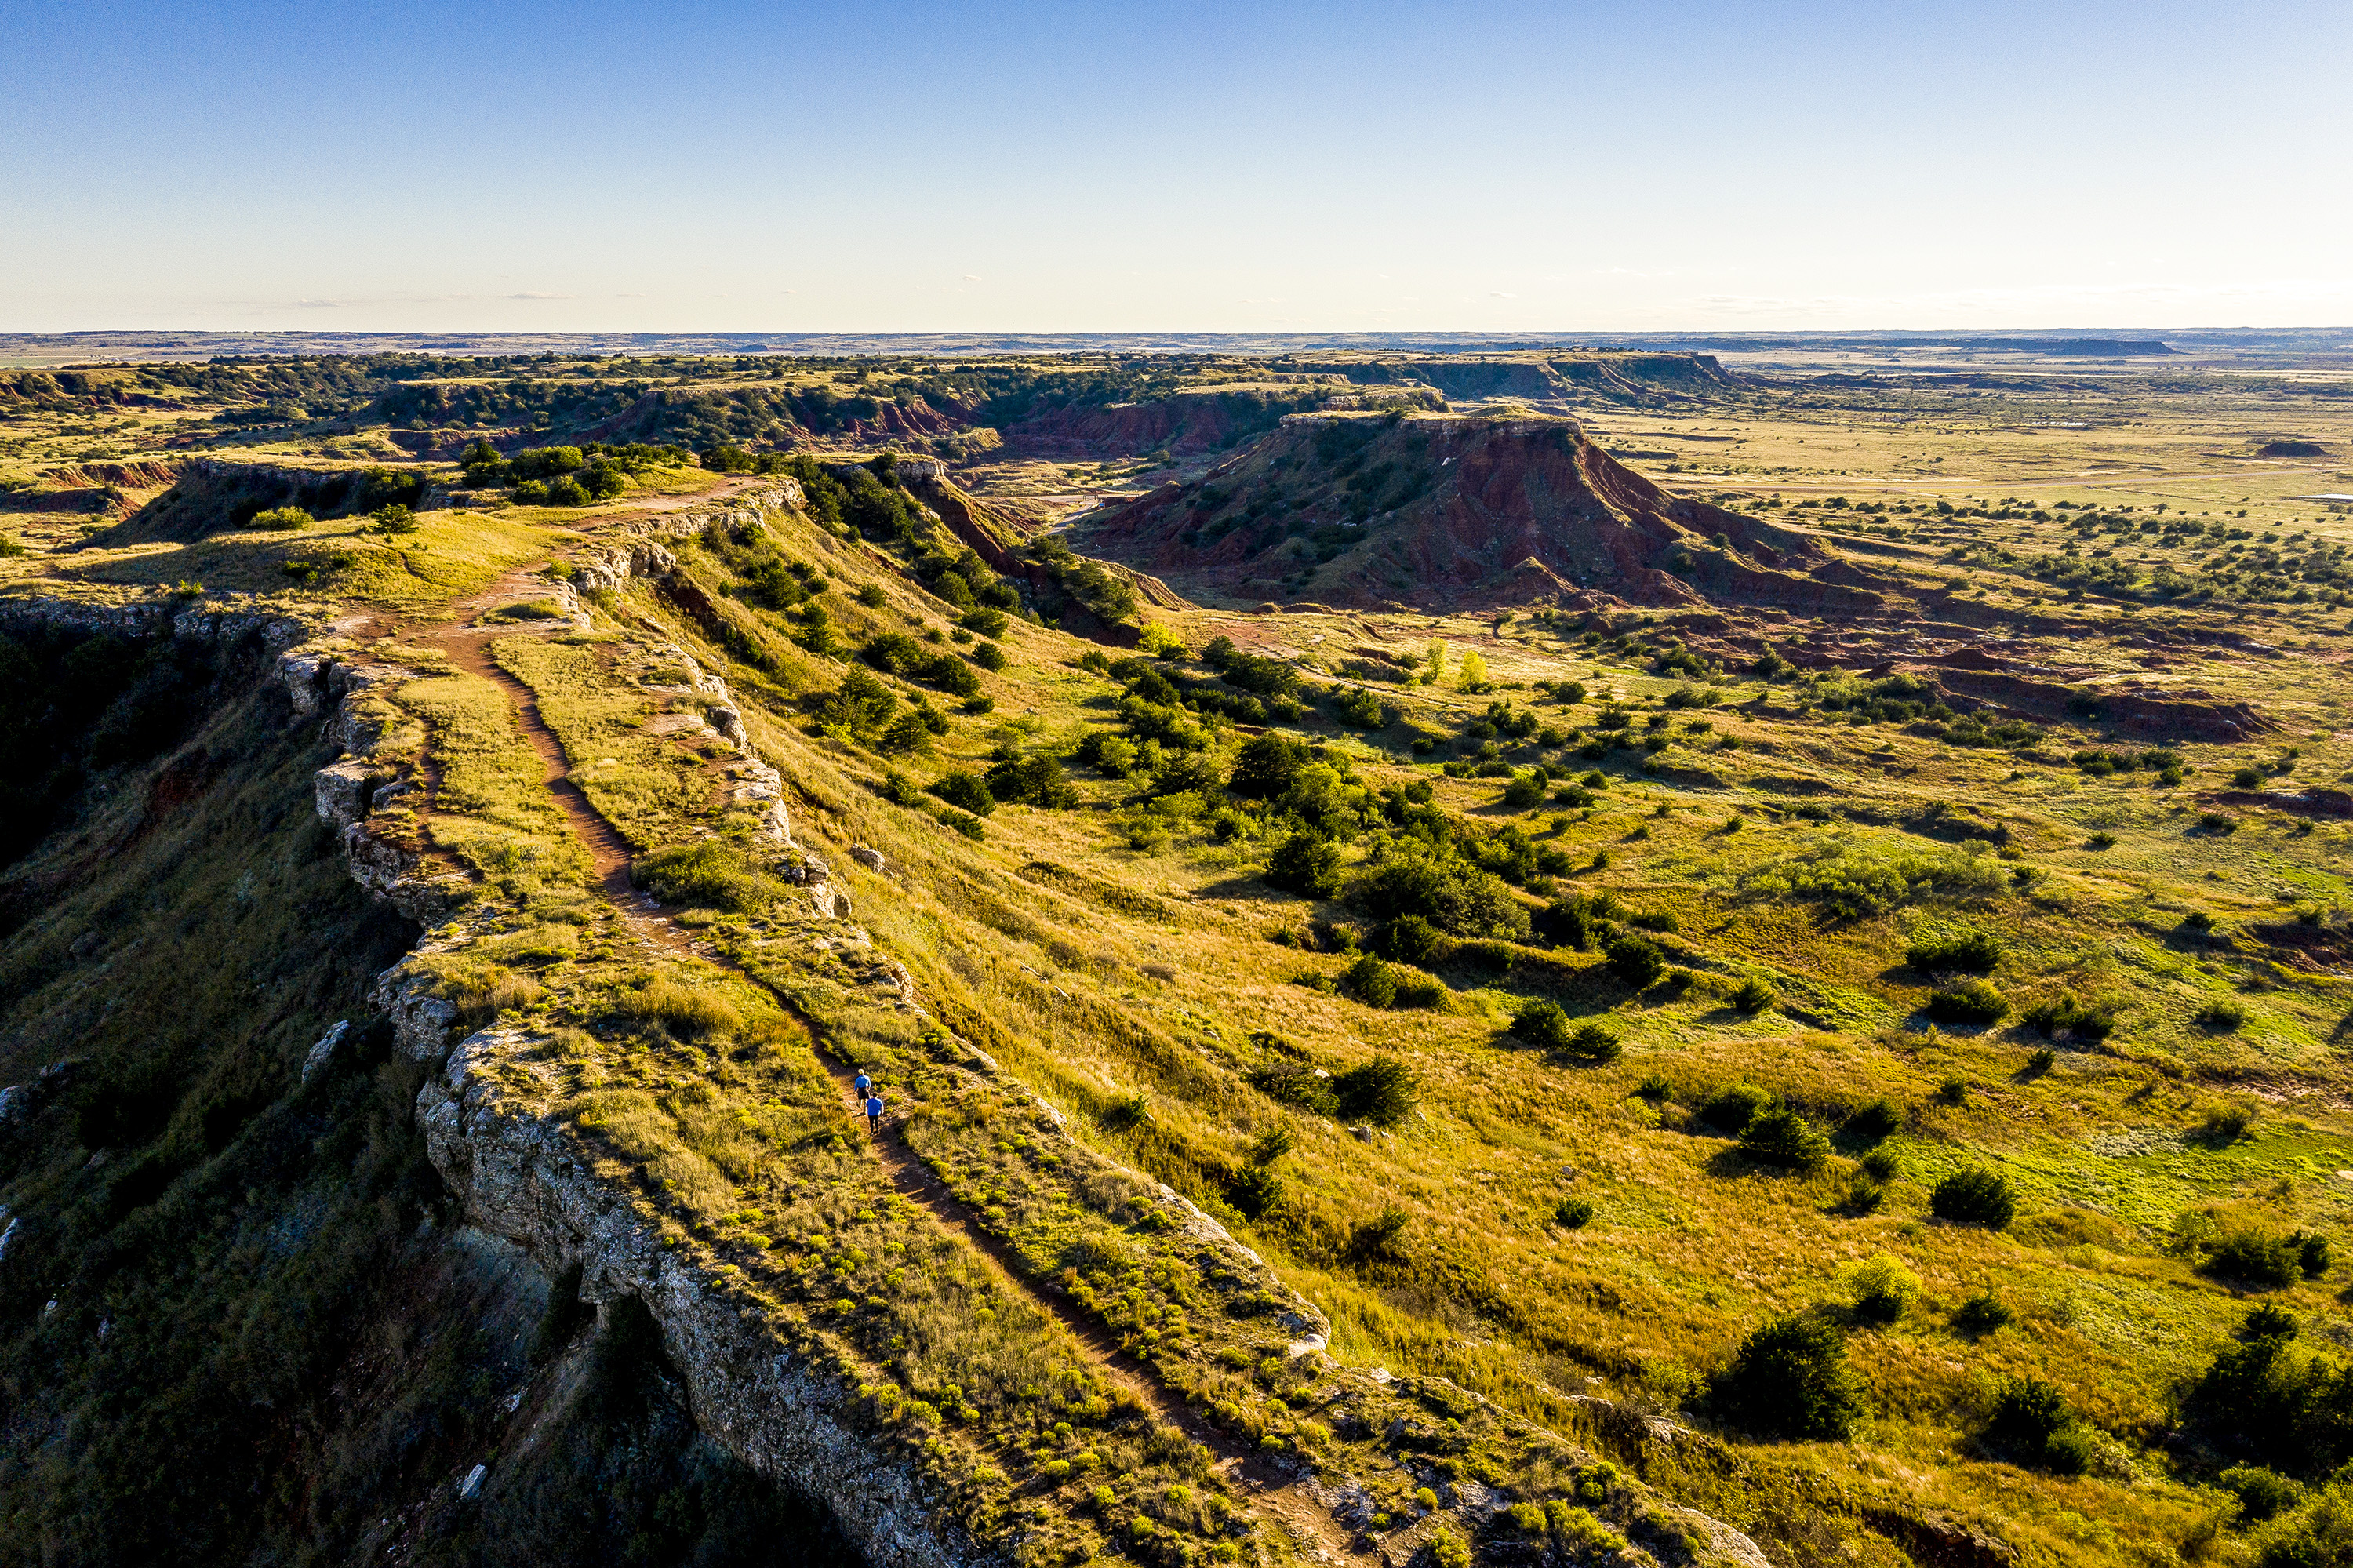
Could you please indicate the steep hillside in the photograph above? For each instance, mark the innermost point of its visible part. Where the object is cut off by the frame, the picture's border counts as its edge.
(1431, 511)
(1184, 423)
(243, 1321)
(1656, 1083)
(1645, 380)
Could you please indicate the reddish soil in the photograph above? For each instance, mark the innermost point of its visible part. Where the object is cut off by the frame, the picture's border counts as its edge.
(1463, 513)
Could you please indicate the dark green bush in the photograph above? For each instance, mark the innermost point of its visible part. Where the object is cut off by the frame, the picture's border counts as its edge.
(1975, 1196)
(2253, 1257)
(2032, 1424)
(1971, 1001)
(1873, 1118)
(1637, 964)
(1420, 990)
(1981, 1314)
(1754, 996)
(1254, 1190)
(1733, 1107)
(1291, 1084)
(1380, 1239)
(1790, 1379)
(1305, 865)
(894, 652)
(1964, 949)
(1371, 982)
(1033, 780)
(1378, 1090)
(2262, 1493)
(1881, 1165)
(966, 790)
(1445, 890)
(1572, 1213)
(1412, 939)
(1777, 1134)
(951, 674)
(1544, 1024)
(2263, 1398)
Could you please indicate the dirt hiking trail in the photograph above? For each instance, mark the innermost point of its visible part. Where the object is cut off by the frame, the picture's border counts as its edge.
(1262, 1482)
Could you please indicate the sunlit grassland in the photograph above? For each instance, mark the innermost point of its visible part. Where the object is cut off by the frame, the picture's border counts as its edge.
(490, 809)
(1098, 974)
(451, 554)
(1124, 987)
(650, 780)
(687, 1086)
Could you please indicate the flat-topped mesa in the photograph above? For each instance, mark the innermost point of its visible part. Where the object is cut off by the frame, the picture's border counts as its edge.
(1504, 507)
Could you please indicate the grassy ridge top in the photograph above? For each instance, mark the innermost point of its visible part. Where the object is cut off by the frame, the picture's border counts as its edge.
(1705, 950)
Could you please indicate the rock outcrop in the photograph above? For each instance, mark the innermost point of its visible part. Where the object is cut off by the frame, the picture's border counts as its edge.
(784, 1413)
(1366, 511)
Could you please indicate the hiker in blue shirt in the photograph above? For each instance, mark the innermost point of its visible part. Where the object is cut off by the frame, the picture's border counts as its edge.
(874, 1113)
(861, 1083)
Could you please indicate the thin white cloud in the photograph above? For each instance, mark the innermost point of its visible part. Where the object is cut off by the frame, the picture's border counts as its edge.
(537, 294)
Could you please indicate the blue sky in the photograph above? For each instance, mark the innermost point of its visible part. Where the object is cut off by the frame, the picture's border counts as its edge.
(1213, 166)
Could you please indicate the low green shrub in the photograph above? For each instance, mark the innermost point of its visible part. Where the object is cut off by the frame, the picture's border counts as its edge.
(1255, 1190)
(1292, 1084)
(1732, 1107)
(2262, 1259)
(964, 790)
(1981, 1314)
(1777, 1134)
(1637, 964)
(1882, 1287)
(1790, 1379)
(1380, 1090)
(1974, 1196)
(2262, 1493)
(2033, 1424)
(1873, 1118)
(2066, 1014)
(1971, 1001)
(1371, 982)
(1967, 949)
(1305, 865)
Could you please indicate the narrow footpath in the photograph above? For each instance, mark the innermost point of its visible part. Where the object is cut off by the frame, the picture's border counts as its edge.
(1262, 1479)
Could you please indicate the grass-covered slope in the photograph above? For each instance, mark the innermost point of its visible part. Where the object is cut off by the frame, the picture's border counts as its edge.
(242, 1319)
(1773, 901)
(1900, 1128)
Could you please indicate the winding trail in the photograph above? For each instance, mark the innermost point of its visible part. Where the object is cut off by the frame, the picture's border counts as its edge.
(1267, 1487)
